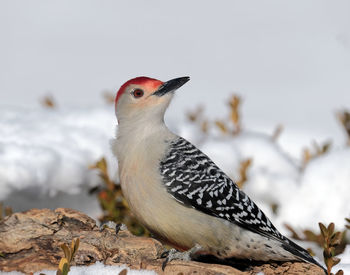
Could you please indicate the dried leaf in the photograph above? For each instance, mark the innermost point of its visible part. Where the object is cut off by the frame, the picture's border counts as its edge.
(326, 147)
(204, 126)
(323, 229)
(109, 97)
(348, 221)
(66, 251)
(311, 236)
(344, 118)
(8, 211)
(294, 235)
(317, 151)
(243, 171)
(330, 228)
(48, 102)
(336, 261)
(336, 238)
(274, 208)
(306, 156)
(222, 126)
(196, 114)
(234, 104)
(123, 272)
(76, 246)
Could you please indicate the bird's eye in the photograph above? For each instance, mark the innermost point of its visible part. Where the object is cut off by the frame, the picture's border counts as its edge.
(138, 93)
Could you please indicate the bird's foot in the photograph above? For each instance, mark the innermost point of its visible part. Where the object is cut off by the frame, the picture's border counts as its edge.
(114, 226)
(174, 254)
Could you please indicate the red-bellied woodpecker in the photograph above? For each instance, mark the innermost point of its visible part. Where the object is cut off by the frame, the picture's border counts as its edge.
(178, 193)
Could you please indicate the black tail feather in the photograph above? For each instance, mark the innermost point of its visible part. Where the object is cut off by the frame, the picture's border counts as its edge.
(301, 253)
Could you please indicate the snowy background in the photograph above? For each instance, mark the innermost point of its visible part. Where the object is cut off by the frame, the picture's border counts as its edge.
(290, 62)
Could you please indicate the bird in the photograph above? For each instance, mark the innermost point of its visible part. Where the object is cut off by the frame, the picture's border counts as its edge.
(179, 193)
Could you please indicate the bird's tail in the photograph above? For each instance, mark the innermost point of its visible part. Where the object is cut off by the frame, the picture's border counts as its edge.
(300, 253)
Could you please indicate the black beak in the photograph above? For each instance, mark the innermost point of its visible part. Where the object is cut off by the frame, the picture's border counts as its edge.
(171, 85)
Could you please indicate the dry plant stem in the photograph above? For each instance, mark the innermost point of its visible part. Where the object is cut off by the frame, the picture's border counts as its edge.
(196, 114)
(317, 238)
(347, 226)
(109, 97)
(5, 211)
(243, 172)
(234, 113)
(69, 253)
(331, 240)
(222, 126)
(277, 132)
(317, 150)
(344, 118)
(49, 102)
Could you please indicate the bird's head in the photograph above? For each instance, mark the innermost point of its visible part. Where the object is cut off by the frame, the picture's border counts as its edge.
(144, 97)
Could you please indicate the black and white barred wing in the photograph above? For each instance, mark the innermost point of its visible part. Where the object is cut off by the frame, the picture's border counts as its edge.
(194, 180)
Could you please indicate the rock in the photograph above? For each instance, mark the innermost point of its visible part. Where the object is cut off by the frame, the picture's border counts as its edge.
(30, 241)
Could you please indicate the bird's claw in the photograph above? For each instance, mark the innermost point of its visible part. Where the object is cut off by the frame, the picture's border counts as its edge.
(165, 254)
(174, 254)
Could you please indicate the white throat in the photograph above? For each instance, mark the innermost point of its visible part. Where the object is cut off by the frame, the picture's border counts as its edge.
(139, 134)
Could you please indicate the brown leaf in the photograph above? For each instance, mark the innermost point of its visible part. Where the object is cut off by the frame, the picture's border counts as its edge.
(243, 170)
(348, 221)
(66, 251)
(196, 114)
(323, 229)
(311, 236)
(235, 116)
(109, 97)
(335, 261)
(330, 228)
(8, 211)
(294, 235)
(76, 246)
(222, 126)
(204, 126)
(48, 102)
(336, 238)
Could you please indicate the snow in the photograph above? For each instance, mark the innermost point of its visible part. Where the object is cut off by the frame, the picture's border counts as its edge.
(97, 268)
(323, 192)
(289, 62)
(344, 261)
(44, 153)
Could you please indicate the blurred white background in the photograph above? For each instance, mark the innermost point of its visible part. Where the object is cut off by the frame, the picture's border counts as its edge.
(289, 60)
